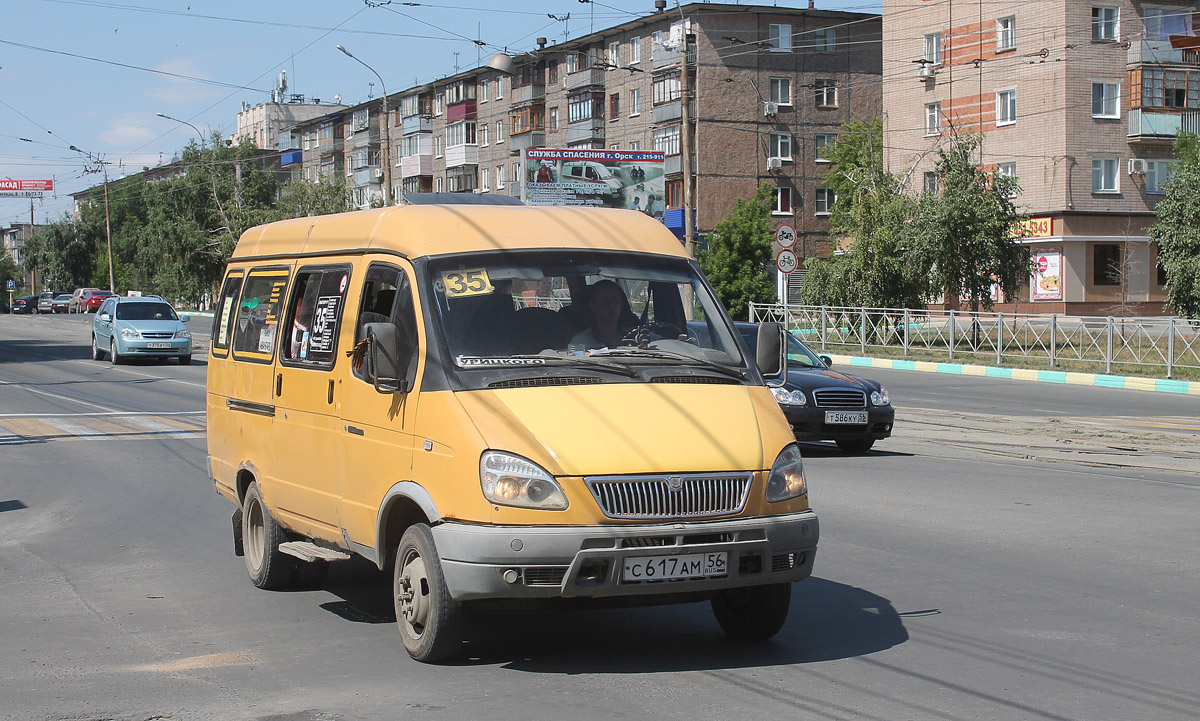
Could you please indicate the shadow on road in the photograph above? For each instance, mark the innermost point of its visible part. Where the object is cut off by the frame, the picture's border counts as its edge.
(828, 621)
(16, 351)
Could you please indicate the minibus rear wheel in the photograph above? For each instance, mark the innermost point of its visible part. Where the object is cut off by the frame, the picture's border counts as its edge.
(269, 568)
(755, 613)
(430, 620)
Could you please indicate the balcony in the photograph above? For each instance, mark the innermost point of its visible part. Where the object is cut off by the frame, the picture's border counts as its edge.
(584, 78)
(291, 157)
(412, 166)
(664, 57)
(1152, 126)
(460, 155)
(673, 165)
(1155, 52)
(671, 111)
(371, 174)
(365, 137)
(521, 141)
(332, 145)
(528, 93)
(418, 124)
(585, 130)
(460, 111)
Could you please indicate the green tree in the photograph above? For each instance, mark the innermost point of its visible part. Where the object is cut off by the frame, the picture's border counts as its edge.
(8, 269)
(856, 160)
(965, 234)
(1177, 232)
(738, 259)
(65, 257)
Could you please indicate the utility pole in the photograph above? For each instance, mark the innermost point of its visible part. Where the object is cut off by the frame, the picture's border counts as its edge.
(387, 135)
(107, 224)
(685, 91)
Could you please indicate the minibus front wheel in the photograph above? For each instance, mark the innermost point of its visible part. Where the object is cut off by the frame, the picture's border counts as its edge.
(430, 620)
(755, 613)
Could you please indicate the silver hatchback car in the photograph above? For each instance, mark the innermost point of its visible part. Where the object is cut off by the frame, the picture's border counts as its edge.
(146, 327)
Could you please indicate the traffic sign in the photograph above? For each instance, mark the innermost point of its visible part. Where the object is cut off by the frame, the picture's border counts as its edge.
(786, 261)
(11, 284)
(785, 236)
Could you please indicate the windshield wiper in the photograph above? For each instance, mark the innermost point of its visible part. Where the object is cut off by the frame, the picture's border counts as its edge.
(671, 355)
(571, 360)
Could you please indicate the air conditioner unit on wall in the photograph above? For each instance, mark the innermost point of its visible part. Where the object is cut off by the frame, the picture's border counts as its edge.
(774, 163)
(770, 109)
(1137, 166)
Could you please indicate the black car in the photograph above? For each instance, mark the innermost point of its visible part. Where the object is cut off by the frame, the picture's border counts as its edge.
(823, 404)
(27, 304)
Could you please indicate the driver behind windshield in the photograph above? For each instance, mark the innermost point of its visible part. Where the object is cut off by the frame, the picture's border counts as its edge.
(607, 308)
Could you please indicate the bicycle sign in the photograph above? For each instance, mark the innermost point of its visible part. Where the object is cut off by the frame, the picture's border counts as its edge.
(786, 262)
(785, 236)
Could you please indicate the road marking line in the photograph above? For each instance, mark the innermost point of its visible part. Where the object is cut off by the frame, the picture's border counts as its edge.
(145, 375)
(66, 398)
(79, 430)
(105, 413)
(159, 428)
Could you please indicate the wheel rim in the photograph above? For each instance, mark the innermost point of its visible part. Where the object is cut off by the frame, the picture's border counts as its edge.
(412, 593)
(112, 348)
(254, 535)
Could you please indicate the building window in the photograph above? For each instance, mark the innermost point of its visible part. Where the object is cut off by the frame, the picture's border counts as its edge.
(484, 183)
(585, 106)
(572, 62)
(1162, 23)
(824, 202)
(933, 48)
(783, 201)
(1158, 172)
(439, 146)
(516, 172)
(440, 186)
(1008, 170)
(499, 177)
(826, 93)
(1105, 23)
(635, 145)
(614, 54)
(483, 135)
(460, 134)
(635, 50)
(552, 72)
(1006, 34)
(666, 140)
(933, 119)
(1106, 264)
(674, 193)
(614, 106)
(500, 136)
(529, 118)
(781, 146)
(1162, 88)
(781, 38)
(1104, 100)
(781, 91)
(484, 90)
(439, 103)
(825, 39)
(824, 146)
(666, 88)
(1104, 175)
(931, 185)
(1006, 107)
(500, 88)
(635, 102)
(554, 118)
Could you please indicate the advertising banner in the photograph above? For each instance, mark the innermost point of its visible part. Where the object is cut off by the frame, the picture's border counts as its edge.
(630, 179)
(25, 188)
(1035, 228)
(1046, 283)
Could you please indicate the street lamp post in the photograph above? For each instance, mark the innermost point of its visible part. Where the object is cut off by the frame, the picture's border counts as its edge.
(112, 287)
(387, 135)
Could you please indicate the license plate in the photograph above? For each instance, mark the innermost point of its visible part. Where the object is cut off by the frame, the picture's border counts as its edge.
(158, 345)
(846, 417)
(666, 568)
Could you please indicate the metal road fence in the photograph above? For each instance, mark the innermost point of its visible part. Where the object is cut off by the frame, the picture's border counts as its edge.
(1158, 344)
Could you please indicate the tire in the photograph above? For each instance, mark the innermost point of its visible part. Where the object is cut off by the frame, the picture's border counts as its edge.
(269, 568)
(430, 620)
(113, 355)
(855, 445)
(185, 360)
(97, 354)
(755, 613)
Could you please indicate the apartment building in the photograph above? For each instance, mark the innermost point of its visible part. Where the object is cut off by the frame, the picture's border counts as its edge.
(771, 88)
(1081, 100)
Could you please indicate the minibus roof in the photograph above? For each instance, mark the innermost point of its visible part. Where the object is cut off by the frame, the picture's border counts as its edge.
(422, 230)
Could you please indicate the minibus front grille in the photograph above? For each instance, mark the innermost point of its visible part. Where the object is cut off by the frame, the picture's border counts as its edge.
(717, 380)
(675, 496)
(545, 381)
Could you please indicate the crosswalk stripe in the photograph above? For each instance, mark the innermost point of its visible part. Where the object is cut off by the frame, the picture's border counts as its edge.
(73, 428)
(92, 427)
(160, 428)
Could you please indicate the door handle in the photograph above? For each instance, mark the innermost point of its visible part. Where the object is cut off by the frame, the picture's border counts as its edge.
(278, 385)
(329, 398)
(355, 431)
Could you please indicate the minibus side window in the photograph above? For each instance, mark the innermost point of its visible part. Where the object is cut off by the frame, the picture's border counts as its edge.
(387, 298)
(257, 321)
(223, 320)
(314, 317)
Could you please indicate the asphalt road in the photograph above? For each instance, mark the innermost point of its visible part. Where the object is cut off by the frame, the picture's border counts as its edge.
(951, 583)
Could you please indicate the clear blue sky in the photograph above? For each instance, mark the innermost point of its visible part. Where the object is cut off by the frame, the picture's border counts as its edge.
(93, 73)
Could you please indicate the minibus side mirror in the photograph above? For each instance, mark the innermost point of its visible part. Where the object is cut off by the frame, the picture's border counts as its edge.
(771, 351)
(384, 361)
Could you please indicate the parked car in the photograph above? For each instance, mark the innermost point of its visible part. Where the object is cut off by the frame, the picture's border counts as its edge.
(139, 328)
(45, 302)
(823, 404)
(61, 303)
(88, 301)
(25, 304)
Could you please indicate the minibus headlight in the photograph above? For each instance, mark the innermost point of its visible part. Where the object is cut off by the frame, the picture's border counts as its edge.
(510, 480)
(787, 476)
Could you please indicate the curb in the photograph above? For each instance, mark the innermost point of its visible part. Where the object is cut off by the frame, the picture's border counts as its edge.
(1099, 380)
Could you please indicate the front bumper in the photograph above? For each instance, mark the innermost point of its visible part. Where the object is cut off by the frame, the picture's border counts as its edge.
(587, 561)
(808, 424)
(141, 347)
